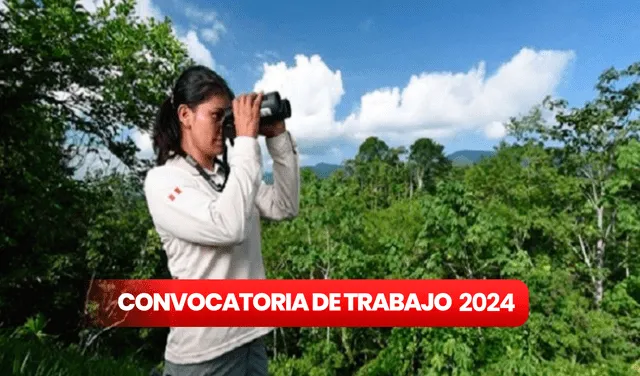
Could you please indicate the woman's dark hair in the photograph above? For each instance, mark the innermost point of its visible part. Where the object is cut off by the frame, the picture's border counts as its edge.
(194, 86)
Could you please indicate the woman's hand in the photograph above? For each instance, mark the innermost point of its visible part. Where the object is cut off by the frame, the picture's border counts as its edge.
(246, 114)
(273, 130)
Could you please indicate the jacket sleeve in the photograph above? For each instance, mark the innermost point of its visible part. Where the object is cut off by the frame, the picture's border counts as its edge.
(179, 207)
(281, 200)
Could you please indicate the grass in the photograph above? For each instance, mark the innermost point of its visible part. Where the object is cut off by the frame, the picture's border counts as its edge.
(35, 358)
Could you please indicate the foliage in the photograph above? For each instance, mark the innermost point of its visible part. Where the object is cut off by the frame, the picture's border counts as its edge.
(563, 219)
(29, 357)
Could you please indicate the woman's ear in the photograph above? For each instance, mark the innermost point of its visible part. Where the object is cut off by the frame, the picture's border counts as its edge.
(185, 115)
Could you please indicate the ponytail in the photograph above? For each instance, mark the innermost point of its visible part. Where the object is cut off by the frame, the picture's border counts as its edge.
(167, 133)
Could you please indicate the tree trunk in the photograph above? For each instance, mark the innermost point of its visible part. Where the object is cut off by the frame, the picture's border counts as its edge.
(275, 344)
(626, 257)
(599, 261)
(410, 184)
(420, 179)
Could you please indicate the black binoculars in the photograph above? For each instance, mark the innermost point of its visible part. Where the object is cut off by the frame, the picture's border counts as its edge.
(272, 109)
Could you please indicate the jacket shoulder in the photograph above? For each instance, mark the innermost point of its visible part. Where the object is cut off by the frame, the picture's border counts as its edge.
(160, 176)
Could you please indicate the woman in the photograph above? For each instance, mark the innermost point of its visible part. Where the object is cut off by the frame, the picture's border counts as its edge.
(213, 234)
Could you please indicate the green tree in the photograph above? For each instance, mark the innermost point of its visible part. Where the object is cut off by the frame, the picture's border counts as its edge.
(73, 83)
(590, 138)
(427, 163)
(380, 172)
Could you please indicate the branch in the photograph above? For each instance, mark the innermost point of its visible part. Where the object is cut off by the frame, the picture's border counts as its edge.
(586, 173)
(101, 332)
(596, 198)
(611, 223)
(467, 264)
(86, 299)
(453, 270)
(112, 306)
(586, 259)
(583, 248)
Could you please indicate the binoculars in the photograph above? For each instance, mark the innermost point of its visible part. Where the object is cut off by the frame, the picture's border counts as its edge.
(272, 109)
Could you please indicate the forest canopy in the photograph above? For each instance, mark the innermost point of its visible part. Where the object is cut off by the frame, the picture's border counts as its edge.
(558, 208)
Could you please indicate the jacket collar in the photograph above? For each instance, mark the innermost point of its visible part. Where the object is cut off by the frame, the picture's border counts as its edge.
(181, 162)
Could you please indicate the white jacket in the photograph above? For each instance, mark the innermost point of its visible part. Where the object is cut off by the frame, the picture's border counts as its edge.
(212, 235)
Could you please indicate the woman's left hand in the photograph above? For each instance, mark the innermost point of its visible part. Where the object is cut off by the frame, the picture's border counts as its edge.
(273, 130)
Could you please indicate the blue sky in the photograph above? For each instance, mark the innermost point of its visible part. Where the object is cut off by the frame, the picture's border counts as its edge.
(379, 45)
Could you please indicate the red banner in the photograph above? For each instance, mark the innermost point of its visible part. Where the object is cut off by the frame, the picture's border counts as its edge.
(309, 303)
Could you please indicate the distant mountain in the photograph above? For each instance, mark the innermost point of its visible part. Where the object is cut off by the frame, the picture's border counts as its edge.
(322, 170)
(459, 158)
(468, 157)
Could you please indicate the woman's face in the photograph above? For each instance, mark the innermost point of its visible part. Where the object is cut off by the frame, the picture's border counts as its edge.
(204, 125)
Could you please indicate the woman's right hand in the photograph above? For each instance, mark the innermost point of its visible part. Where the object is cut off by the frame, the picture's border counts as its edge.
(246, 114)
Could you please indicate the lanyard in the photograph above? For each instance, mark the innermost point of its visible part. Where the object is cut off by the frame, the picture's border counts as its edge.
(225, 168)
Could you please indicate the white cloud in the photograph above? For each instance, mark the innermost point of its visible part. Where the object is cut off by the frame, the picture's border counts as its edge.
(146, 9)
(432, 104)
(495, 130)
(211, 27)
(212, 34)
(198, 51)
(452, 102)
(314, 90)
(267, 55)
(143, 142)
(200, 15)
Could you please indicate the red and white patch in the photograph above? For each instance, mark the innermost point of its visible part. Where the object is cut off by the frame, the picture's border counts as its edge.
(177, 191)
